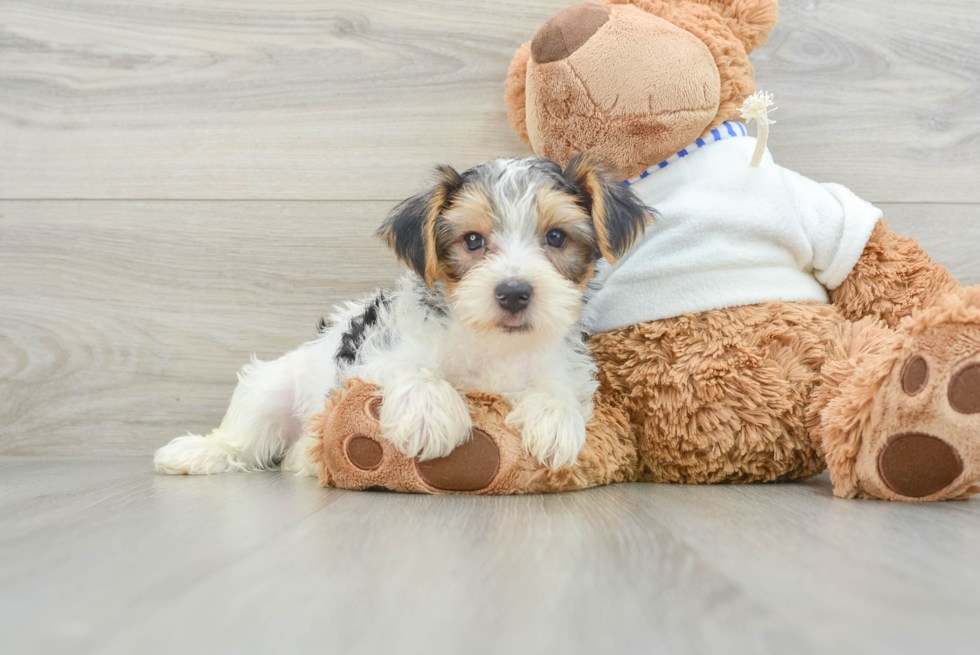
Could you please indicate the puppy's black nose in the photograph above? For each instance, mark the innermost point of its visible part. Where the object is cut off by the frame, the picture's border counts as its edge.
(514, 296)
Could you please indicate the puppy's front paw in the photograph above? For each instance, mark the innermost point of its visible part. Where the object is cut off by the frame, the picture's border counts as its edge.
(552, 431)
(424, 417)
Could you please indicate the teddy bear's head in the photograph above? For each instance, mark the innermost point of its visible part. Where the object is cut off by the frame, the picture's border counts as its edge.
(634, 81)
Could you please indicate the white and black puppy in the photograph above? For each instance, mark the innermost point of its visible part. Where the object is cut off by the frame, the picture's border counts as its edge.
(502, 256)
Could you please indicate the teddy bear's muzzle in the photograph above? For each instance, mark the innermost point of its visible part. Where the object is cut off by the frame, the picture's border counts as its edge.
(618, 81)
(567, 31)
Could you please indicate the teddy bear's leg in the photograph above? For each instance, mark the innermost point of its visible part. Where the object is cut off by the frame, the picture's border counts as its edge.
(897, 413)
(719, 396)
(893, 277)
(348, 451)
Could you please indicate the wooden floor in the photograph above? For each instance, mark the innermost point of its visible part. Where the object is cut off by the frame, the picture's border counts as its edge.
(101, 556)
(185, 183)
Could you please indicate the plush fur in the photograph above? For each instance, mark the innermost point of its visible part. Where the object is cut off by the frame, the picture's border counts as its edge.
(893, 278)
(718, 395)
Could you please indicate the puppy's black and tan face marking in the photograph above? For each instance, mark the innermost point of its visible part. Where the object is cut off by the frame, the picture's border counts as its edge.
(514, 241)
(563, 220)
(410, 228)
(462, 232)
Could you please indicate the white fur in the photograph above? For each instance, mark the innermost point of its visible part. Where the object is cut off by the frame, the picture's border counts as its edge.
(297, 457)
(268, 411)
(552, 430)
(425, 347)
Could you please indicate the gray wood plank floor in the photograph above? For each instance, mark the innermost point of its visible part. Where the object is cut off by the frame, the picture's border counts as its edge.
(102, 556)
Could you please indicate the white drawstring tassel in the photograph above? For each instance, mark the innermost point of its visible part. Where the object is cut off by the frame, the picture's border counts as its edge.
(756, 108)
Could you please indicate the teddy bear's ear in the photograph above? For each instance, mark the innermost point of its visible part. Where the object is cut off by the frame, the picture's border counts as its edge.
(750, 20)
(617, 213)
(514, 93)
(409, 229)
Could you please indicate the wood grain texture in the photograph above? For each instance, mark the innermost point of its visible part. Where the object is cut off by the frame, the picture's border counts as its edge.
(882, 96)
(124, 323)
(103, 556)
(219, 99)
(330, 99)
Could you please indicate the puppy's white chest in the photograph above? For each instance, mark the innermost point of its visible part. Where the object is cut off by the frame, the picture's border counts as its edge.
(490, 372)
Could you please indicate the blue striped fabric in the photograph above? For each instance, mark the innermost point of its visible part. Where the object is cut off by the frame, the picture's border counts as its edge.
(726, 130)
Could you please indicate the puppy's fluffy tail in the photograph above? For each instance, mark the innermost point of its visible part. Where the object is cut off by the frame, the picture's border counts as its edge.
(192, 455)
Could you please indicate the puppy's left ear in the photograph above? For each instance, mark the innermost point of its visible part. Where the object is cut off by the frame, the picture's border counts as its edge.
(618, 215)
(410, 229)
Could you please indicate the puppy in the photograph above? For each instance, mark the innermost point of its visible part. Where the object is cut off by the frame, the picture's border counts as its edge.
(501, 258)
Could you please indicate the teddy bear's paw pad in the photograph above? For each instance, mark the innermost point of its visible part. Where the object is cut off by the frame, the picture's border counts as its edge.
(472, 466)
(917, 465)
(915, 374)
(964, 390)
(364, 452)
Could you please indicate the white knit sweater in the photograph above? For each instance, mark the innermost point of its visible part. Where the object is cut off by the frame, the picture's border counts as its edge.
(729, 235)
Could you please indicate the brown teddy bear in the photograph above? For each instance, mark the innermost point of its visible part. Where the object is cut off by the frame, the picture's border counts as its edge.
(766, 327)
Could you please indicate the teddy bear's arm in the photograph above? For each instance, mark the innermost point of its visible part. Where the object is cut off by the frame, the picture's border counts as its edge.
(347, 450)
(892, 277)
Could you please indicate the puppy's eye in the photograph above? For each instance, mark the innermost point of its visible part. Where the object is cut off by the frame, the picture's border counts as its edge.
(473, 241)
(556, 238)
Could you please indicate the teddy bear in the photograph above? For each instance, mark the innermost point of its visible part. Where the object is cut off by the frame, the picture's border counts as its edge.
(765, 328)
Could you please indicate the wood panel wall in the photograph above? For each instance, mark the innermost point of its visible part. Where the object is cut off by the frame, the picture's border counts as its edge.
(185, 183)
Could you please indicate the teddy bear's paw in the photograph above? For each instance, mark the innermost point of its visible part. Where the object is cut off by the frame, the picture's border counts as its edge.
(926, 441)
(355, 455)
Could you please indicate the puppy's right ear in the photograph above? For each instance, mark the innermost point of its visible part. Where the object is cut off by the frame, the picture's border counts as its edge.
(410, 228)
